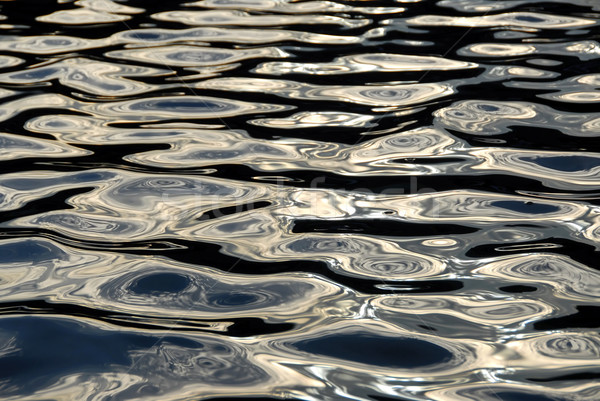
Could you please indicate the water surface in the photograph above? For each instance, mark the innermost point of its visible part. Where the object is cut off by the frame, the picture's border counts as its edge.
(307, 200)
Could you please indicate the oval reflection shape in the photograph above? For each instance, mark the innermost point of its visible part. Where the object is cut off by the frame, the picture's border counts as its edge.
(232, 298)
(569, 164)
(160, 283)
(30, 251)
(371, 349)
(182, 105)
(526, 207)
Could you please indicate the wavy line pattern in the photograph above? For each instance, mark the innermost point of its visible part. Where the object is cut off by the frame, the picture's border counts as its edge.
(309, 200)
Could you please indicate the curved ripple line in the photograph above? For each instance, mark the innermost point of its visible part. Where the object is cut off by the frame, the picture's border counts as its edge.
(376, 95)
(288, 7)
(373, 62)
(152, 286)
(160, 36)
(569, 279)
(584, 50)
(196, 107)
(578, 89)
(82, 16)
(14, 147)
(483, 6)
(194, 56)
(519, 19)
(313, 119)
(241, 18)
(100, 78)
(494, 117)
(109, 6)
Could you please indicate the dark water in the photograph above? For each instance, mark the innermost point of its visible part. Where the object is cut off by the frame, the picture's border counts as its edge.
(313, 200)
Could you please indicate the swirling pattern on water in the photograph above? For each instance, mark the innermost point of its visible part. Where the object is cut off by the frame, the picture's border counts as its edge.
(309, 200)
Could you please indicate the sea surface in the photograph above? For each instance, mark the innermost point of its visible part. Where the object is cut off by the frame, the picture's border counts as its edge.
(305, 200)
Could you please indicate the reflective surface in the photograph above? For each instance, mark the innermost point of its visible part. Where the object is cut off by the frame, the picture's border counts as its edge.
(309, 200)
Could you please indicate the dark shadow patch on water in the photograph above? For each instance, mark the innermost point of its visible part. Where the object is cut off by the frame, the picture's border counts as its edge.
(530, 138)
(583, 67)
(251, 326)
(572, 377)
(236, 327)
(378, 227)
(568, 164)
(49, 349)
(586, 317)
(526, 207)
(115, 153)
(229, 299)
(29, 251)
(372, 349)
(383, 398)
(149, 246)
(518, 289)
(422, 286)
(160, 283)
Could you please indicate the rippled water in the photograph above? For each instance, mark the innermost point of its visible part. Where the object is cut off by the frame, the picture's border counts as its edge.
(313, 200)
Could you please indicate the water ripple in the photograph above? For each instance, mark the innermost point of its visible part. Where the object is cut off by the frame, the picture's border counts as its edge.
(16, 147)
(375, 95)
(317, 119)
(412, 213)
(82, 16)
(579, 89)
(172, 107)
(584, 50)
(194, 56)
(518, 19)
(288, 7)
(156, 36)
(376, 62)
(494, 117)
(241, 18)
(100, 78)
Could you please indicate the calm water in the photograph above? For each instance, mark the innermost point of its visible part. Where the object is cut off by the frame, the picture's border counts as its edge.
(315, 200)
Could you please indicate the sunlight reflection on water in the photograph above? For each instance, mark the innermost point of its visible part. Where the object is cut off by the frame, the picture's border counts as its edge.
(305, 200)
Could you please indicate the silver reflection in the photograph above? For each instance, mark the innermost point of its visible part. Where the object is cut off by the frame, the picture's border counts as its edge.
(398, 218)
(375, 62)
